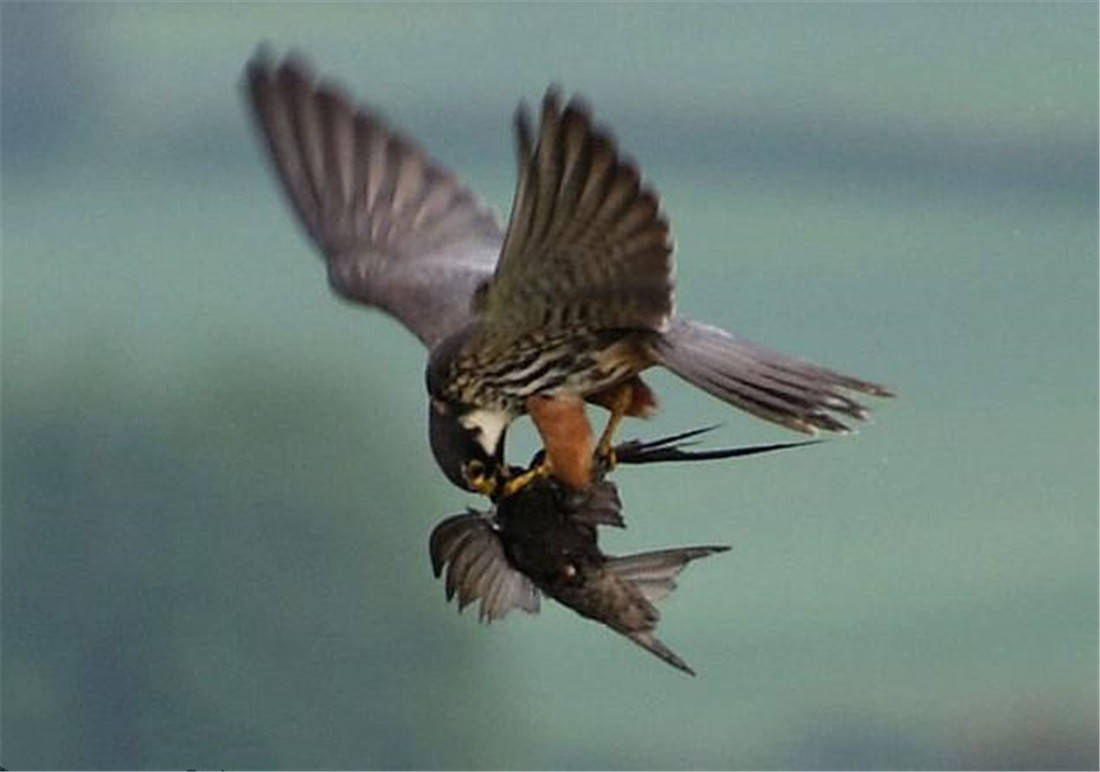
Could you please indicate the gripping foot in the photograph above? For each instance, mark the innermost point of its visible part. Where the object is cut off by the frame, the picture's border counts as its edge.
(515, 484)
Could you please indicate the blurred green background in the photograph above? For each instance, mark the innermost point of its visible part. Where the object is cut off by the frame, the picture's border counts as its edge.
(216, 486)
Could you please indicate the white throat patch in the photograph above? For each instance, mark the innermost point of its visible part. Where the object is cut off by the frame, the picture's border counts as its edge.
(490, 425)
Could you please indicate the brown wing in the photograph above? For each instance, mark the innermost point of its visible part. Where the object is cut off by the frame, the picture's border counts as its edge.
(586, 244)
(397, 230)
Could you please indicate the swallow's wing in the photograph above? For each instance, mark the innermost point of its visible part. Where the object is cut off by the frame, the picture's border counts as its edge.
(397, 230)
(653, 573)
(586, 244)
(477, 568)
(601, 506)
(651, 577)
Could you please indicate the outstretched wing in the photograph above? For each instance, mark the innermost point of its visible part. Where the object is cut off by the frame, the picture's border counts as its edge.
(586, 244)
(477, 568)
(397, 230)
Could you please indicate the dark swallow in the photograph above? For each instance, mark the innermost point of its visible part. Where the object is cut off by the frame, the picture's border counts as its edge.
(544, 538)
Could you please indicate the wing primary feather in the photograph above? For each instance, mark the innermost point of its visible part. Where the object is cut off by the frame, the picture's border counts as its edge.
(600, 177)
(576, 157)
(470, 584)
(458, 557)
(520, 218)
(276, 126)
(547, 166)
(441, 542)
(307, 133)
(439, 194)
(339, 127)
(461, 563)
(623, 190)
(407, 191)
(490, 599)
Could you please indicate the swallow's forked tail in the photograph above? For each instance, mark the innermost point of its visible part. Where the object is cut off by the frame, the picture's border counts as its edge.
(675, 448)
(778, 388)
(652, 574)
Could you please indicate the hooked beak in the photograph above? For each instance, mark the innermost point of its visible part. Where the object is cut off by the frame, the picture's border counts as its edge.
(458, 443)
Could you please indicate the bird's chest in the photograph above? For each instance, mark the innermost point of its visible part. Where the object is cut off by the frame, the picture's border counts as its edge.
(577, 363)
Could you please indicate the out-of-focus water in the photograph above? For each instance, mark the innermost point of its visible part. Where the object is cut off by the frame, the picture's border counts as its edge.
(216, 486)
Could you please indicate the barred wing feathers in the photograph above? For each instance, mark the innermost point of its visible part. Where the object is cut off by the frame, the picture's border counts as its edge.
(397, 230)
(586, 243)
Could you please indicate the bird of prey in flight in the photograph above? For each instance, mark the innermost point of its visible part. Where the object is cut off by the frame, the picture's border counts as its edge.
(566, 305)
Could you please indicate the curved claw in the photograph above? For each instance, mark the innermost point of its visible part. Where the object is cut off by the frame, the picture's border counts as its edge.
(486, 486)
(605, 459)
(520, 481)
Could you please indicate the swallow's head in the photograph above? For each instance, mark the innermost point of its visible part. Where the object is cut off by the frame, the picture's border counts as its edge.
(468, 444)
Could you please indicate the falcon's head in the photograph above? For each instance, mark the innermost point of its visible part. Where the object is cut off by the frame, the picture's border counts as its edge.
(468, 444)
(467, 441)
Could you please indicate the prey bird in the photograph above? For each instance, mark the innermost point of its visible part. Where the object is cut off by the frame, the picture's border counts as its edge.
(565, 306)
(543, 538)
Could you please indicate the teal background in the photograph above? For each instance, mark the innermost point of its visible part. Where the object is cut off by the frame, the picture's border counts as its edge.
(216, 486)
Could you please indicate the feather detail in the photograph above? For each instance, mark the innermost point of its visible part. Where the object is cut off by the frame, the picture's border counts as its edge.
(477, 569)
(778, 388)
(586, 244)
(397, 230)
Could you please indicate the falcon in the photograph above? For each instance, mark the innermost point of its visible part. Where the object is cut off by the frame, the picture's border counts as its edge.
(565, 306)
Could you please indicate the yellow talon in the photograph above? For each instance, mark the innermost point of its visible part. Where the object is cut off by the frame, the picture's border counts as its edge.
(477, 480)
(515, 484)
(486, 486)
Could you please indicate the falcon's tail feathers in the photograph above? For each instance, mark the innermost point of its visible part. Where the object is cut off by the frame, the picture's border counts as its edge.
(778, 388)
